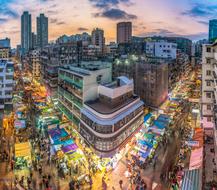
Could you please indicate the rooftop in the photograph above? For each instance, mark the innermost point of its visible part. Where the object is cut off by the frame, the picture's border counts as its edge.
(86, 67)
(103, 108)
(121, 81)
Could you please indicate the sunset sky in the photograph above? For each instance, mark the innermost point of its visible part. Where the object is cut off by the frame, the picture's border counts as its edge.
(187, 18)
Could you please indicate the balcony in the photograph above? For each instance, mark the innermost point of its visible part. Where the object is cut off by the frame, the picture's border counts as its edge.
(215, 94)
(70, 97)
(77, 83)
(70, 89)
(215, 70)
(9, 81)
(68, 114)
(8, 96)
(215, 56)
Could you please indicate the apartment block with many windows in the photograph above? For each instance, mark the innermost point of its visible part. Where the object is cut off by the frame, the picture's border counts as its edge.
(6, 82)
(78, 84)
(109, 121)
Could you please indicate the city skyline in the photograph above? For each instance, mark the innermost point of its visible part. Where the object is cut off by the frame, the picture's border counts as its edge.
(69, 18)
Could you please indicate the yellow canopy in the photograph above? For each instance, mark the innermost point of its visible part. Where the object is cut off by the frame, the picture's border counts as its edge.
(22, 149)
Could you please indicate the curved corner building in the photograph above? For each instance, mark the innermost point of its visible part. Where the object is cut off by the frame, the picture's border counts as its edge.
(109, 121)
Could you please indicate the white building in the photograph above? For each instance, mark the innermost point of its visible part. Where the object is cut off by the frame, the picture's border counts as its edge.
(35, 63)
(161, 49)
(207, 84)
(209, 105)
(110, 120)
(6, 82)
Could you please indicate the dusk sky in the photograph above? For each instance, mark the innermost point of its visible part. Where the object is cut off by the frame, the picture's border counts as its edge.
(187, 18)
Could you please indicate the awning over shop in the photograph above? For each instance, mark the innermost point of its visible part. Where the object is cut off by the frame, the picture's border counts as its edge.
(192, 180)
(198, 136)
(69, 148)
(22, 149)
(196, 159)
(147, 117)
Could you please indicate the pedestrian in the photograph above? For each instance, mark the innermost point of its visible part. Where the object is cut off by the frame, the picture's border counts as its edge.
(121, 184)
(90, 182)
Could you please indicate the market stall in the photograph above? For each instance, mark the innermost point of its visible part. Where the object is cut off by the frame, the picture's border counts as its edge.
(22, 155)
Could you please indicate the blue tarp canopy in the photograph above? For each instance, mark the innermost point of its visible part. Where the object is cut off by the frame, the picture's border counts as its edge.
(65, 143)
(57, 133)
(160, 125)
(163, 117)
(147, 117)
(145, 143)
(144, 154)
(192, 180)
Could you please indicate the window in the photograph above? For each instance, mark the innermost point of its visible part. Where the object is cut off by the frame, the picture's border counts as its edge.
(208, 72)
(209, 119)
(99, 79)
(208, 49)
(9, 85)
(208, 61)
(208, 83)
(208, 107)
(208, 94)
(9, 77)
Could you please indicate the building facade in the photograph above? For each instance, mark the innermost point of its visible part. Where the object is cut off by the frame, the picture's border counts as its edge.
(77, 85)
(55, 55)
(112, 118)
(124, 32)
(209, 108)
(212, 30)
(26, 32)
(161, 49)
(98, 39)
(6, 82)
(150, 76)
(34, 58)
(5, 48)
(34, 40)
(42, 30)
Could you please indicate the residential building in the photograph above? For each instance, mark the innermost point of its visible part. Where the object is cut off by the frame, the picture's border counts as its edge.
(5, 48)
(184, 44)
(26, 32)
(161, 49)
(18, 51)
(55, 55)
(6, 82)
(112, 49)
(91, 53)
(78, 84)
(209, 109)
(212, 30)
(150, 77)
(49, 65)
(6, 42)
(42, 30)
(98, 39)
(85, 38)
(208, 83)
(124, 32)
(34, 57)
(4, 53)
(34, 40)
(112, 118)
(136, 48)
